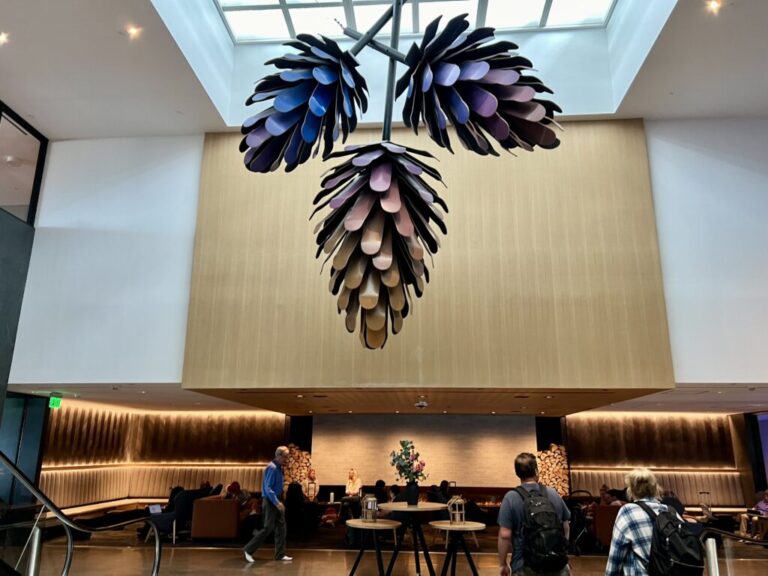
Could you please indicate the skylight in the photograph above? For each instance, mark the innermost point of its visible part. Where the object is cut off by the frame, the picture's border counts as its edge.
(270, 20)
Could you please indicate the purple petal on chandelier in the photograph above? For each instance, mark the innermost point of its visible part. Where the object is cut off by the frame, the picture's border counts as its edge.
(479, 86)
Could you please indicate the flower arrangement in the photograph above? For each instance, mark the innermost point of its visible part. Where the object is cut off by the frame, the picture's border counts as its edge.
(407, 463)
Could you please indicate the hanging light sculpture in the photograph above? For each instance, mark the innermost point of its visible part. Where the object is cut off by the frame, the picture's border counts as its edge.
(317, 92)
(382, 210)
(378, 232)
(483, 90)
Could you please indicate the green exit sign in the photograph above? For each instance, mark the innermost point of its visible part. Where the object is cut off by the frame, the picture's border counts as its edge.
(54, 402)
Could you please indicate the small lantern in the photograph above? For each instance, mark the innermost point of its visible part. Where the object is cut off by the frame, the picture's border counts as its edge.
(456, 510)
(370, 508)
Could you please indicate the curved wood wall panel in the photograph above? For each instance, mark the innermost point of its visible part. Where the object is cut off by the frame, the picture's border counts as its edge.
(80, 434)
(167, 437)
(83, 434)
(549, 277)
(656, 441)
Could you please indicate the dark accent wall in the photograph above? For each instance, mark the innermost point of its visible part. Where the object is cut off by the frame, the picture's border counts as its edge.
(88, 434)
(189, 437)
(82, 434)
(549, 430)
(665, 441)
(21, 438)
(15, 250)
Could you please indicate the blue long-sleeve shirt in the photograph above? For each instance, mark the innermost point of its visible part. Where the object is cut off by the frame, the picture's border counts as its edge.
(272, 484)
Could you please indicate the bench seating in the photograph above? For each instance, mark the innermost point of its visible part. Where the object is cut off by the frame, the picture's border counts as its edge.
(724, 486)
(87, 485)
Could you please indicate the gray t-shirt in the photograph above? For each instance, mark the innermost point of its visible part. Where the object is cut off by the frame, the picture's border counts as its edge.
(511, 515)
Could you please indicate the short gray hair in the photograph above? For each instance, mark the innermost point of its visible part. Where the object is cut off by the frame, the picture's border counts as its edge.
(641, 483)
(282, 451)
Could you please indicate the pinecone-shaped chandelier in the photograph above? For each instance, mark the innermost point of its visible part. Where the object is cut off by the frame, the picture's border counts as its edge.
(481, 89)
(382, 212)
(377, 232)
(318, 91)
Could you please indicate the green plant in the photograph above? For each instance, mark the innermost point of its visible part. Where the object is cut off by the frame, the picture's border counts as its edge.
(407, 463)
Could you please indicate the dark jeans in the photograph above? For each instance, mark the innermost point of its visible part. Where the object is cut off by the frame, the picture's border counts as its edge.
(274, 521)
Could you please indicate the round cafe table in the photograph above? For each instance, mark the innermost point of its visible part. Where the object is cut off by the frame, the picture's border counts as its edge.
(372, 527)
(455, 539)
(411, 520)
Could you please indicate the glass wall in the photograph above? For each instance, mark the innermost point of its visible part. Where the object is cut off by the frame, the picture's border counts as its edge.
(22, 153)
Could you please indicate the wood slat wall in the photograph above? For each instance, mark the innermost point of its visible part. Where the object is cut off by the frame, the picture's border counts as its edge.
(656, 441)
(89, 434)
(549, 277)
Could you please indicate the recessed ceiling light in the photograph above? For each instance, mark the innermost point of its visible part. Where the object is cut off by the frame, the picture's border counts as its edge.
(349, 411)
(522, 407)
(542, 412)
(714, 6)
(719, 391)
(397, 411)
(299, 395)
(445, 411)
(422, 396)
(549, 397)
(133, 31)
(4, 38)
(143, 391)
(310, 411)
(493, 412)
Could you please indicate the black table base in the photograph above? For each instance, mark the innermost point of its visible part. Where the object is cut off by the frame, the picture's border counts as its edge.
(418, 539)
(377, 547)
(456, 539)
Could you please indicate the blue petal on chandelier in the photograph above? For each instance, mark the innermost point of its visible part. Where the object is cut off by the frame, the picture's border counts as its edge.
(316, 95)
(484, 90)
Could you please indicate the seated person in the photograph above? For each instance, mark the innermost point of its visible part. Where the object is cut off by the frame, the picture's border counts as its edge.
(750, 517)
(614, 498)
(311, 486)
(445, 490)
(380, 492)
(394, 492)
(205, 486)
(434, 495)
(669, 498)
(354, 483)
(248, 504)
(350, 504)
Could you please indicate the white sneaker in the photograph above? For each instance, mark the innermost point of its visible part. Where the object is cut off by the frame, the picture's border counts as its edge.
(248, 557)
(286, 558)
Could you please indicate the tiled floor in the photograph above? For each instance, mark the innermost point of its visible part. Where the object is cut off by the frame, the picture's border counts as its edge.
(131, 561)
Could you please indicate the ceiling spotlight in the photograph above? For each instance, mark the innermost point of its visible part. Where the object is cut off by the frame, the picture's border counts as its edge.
(143, 391)
(445, 411)
(310, 411)
(493, 412)
(4, 38)
(422, 396)
(349, 411)
(714, 6)
(299, 395)
(397, 411)
(549, 397)
(542, 412)
(133, 32)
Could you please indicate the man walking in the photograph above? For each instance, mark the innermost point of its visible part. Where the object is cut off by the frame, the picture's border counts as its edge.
(533, 525)
(273, 509)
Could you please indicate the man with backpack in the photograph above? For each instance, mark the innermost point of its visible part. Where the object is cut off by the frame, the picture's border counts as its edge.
(533, 526)
(649, 538)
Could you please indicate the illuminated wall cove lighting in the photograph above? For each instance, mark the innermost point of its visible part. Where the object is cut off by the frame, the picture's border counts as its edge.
(380, 211)
(271, 20)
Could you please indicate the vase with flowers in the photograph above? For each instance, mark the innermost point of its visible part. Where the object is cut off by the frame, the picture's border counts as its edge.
(409, 467)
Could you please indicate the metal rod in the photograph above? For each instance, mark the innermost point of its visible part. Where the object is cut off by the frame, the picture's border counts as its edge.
(377, 26)
(389, 104)
(35, 549)
(375, 44)
(713, 569)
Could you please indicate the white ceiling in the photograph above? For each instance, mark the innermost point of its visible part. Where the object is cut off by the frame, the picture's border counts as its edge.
(727, 398)
(72, 72)
(704, 65)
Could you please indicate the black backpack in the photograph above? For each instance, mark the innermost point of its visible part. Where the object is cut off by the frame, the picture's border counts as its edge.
(545, 548)
(675, 551)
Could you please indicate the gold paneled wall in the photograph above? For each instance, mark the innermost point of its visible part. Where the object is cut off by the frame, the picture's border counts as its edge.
(549, 276)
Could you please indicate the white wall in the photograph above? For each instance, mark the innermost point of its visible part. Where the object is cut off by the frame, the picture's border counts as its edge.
(108, 285)
(710, 188)
(472, 450)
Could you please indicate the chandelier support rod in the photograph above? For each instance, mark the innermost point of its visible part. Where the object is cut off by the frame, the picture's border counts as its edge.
(377, 26)
(375, 44)
(389, 104)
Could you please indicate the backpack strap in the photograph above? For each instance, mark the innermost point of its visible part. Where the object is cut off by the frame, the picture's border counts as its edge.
(647, 509)
(522, 492)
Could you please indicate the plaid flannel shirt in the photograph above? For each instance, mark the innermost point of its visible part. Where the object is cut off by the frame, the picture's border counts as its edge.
(631, 540)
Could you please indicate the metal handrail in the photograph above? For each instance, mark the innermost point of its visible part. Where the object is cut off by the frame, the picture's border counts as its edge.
(69, 524)
(732, 536)
(713, 568)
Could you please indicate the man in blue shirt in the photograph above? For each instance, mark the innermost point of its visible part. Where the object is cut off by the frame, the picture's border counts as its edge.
(273, 509)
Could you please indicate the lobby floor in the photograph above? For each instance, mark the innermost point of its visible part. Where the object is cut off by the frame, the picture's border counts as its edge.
(131, 561)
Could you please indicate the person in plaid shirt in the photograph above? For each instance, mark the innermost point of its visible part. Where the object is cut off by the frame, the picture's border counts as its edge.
(633, 530)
